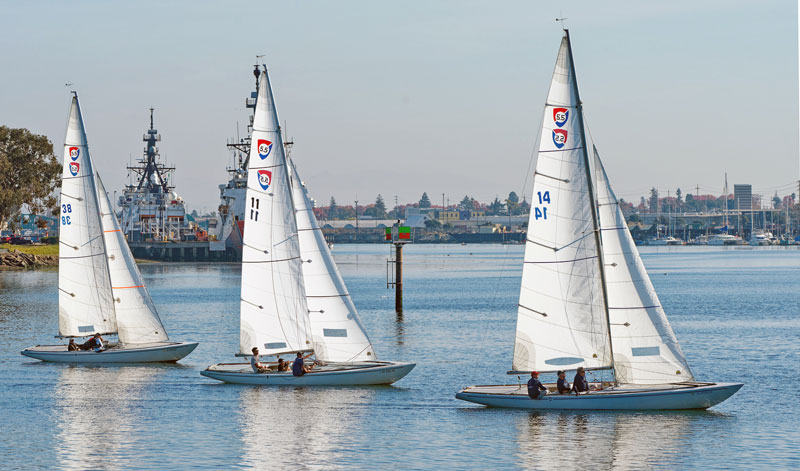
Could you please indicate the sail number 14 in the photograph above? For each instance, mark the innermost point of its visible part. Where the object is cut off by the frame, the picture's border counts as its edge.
(544, 199)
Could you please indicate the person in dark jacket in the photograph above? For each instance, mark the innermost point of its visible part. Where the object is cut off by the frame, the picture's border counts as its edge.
(298, 367)
(563, 384)
(536, 389)
(580, 384)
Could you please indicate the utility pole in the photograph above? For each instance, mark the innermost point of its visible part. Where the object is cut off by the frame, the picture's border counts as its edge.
(356, 221)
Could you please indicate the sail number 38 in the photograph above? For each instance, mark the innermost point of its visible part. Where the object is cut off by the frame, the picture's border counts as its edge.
(540, 212)
(66, 208)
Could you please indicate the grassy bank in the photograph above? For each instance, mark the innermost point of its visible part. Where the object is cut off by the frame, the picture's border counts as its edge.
(33, 249)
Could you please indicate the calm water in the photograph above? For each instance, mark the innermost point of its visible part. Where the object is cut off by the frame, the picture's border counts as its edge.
(736, 313)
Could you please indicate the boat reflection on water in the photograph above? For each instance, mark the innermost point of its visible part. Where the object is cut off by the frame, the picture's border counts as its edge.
(604, 440)
(97, 412)
(292, 428)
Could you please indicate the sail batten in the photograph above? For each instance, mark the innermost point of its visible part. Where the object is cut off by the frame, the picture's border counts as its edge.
(273, 312)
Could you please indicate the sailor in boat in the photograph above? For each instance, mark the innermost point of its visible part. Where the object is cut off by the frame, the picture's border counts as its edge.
(72, 347)
(299, 368)
(283, 365)
(580, 384)
(95, 343)
(255, 362)
(563, 384)
(536, 389)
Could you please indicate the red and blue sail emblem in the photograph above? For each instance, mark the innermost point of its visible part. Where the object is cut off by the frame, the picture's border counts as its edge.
(74, 153)
(73, 168)
(560, 116)
(559, 137)
(264, 148)
(264, 178)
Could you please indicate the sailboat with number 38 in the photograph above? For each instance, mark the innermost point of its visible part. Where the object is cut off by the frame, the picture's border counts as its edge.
(586, 300)
(100, 289)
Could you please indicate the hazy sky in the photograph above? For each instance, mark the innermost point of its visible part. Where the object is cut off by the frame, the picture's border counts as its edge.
(404, 97)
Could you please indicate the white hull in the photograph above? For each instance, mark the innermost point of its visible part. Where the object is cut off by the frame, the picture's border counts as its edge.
(147, 353)
(351, 374)
(657, 397)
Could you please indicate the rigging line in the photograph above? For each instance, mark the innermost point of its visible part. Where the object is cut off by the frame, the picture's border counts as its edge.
(536, 146)
(491, 312)
(78, 198)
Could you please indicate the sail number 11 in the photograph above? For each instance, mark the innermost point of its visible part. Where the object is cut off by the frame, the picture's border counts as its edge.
(544, 199)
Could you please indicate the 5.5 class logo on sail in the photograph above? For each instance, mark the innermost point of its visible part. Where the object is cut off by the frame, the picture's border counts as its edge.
(264, 178)
(264, 148)
(74, 153)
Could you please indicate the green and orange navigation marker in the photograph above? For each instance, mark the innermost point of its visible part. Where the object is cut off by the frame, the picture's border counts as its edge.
(404, 232)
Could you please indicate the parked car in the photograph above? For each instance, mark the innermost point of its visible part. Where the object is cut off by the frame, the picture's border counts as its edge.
(20, 241)
(5, 239)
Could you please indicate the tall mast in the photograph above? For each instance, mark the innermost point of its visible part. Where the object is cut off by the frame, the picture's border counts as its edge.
(592, 203)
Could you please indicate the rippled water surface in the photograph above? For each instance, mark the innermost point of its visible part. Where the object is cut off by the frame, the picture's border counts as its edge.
(735, 312)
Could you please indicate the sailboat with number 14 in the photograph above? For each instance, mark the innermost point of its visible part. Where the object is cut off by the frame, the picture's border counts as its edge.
(586, 301)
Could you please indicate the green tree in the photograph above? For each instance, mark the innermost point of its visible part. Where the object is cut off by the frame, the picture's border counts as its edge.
(424, 202)
(29, 173)
(496, 206)
(512, 203)
(653, 201)
(379, 210)
(466, 203)
(333, 210)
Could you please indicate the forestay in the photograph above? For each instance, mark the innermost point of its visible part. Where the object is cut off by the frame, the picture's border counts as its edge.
(273, 312)
(337, 331)
(84, 287)
(137, 318)
(646, 350)
(561, 320)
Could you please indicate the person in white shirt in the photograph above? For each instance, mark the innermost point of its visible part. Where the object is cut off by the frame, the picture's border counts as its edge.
(255, 362)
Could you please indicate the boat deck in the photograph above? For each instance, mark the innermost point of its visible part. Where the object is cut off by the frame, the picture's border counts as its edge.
(522, 389)
(112, 346)
(273, 367)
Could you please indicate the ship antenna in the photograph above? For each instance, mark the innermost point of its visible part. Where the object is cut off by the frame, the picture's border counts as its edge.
(151, 117)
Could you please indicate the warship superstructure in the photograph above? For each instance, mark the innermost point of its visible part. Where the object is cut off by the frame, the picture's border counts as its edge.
(228, 233)
(151, 210)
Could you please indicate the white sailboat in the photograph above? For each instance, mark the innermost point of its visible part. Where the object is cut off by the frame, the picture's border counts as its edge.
(293, 298)
(586, 300)
(100, 289)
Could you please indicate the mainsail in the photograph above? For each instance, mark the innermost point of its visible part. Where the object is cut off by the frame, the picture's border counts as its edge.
(137, 318)
(273, 312)
(337, 331)
(84, 286)
(646, 350)
(561, 319)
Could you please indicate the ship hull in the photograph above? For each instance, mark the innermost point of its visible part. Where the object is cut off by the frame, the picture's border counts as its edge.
(149, 353)
(666, 397)
(363, 374)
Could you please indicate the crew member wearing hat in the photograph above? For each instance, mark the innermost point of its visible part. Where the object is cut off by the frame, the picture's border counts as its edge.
(580, 384)
(536, 390)
(563, 384)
